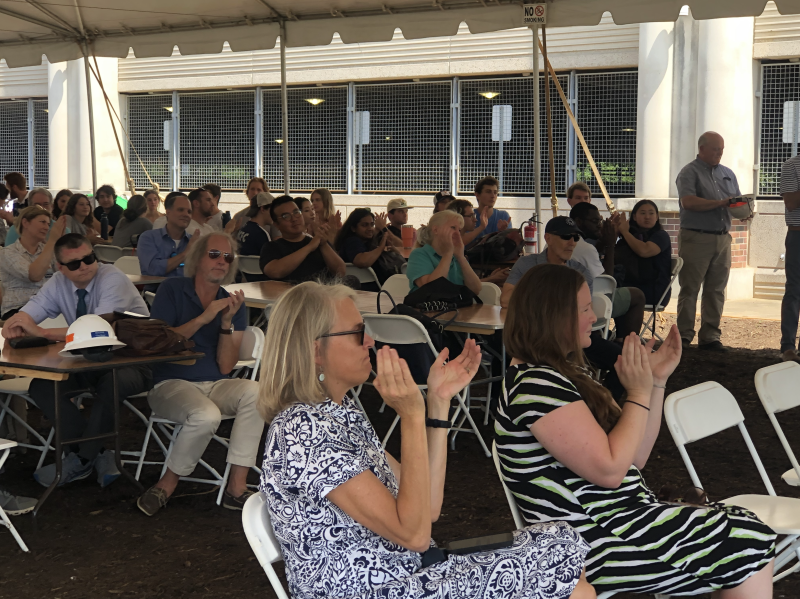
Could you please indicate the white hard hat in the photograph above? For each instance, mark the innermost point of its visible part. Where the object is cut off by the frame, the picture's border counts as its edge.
(90, 331)
(741, 208)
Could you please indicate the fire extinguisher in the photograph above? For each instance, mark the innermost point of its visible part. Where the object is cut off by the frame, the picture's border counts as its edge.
(529, 235)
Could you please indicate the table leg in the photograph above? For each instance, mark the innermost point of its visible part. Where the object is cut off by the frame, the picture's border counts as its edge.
(57, 425)
(117, 440)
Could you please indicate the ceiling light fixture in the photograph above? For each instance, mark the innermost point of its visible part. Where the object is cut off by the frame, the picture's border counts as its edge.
(315, 101)
(168, 108)
(278, 141)
(489, 95)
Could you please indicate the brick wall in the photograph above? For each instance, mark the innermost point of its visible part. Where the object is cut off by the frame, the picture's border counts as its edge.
(670, 222)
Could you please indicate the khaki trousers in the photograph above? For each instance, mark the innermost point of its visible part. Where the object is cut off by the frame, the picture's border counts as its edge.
(199, 407)
(706, 262)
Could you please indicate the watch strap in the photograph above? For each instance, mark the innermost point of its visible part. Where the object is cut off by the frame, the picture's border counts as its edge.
(224, 331)
(434, 423)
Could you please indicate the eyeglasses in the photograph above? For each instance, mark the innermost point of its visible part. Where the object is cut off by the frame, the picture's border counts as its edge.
(76, 264)
(574, 237)
(214, 254)
(291, 215)
(359, 331)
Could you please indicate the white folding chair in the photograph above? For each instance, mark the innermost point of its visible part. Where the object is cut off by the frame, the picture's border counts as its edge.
(606, 285)
(108, 253)
(778, 388)
(127, 264)
(490, 294)
(258, 530)
(250, 352)
(703, 410)
(601, 305)
(248, 265)
(512, 502)
(364, 275)
(149, 298)
(397, 286)
(677, 265)
(394, 329)
(128, 251)
(5, 448)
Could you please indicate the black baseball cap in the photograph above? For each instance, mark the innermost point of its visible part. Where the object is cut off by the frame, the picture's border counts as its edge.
(562, 225)
(442, 196)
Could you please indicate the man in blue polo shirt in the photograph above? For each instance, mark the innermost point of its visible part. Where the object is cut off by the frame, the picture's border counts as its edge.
(162, 252)
(197, 396)
(486, 191)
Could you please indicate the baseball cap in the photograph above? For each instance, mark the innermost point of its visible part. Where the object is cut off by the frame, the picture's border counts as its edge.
(439, 197)
(262, 199)
(561, 225)
(397, 203)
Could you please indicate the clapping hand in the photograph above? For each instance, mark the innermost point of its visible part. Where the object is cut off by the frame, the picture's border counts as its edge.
(633, 369)
(664, 361)
(458, 244)
(396, 385)
(484, 219)
(380, 221)
(502, 225)
(448, 378)
(622, 222)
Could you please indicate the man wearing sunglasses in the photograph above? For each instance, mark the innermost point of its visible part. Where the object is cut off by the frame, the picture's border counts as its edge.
(295, 257)
(198, 395)
(81, 286)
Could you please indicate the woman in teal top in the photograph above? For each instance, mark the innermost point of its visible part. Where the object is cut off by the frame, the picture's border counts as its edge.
(440, 253)
(569, 453)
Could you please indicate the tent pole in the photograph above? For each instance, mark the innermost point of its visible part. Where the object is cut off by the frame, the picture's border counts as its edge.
(91, 114)
(537, 146)
(284, 111)
(553, 198)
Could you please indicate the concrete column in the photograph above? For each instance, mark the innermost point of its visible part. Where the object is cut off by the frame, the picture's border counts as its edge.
(684, 97)
(725, 91)
(654, 110)
(57, 117)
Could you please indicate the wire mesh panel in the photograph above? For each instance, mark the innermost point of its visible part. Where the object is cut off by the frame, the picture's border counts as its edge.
(40, 136)
(146, 116)
(317, 138)
(409, 137)
(606, 114)
(14, 137)
(480, 153)
(780, 84)
(217, 139)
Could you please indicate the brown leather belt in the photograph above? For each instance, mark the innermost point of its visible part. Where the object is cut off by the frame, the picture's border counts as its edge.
(794, 228)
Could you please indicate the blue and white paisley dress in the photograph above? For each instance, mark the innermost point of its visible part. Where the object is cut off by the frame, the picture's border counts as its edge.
(311, 450)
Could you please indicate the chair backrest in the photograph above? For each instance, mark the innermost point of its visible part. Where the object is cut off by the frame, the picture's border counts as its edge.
(512, 502)
(249, 265)
(777, 388)
(490, 294)
(601, 305)
(364, 275)
(704, 410)
(258, 530)
(149, 297)
(395, 329)
(397, 286)
(128, 264)
(128, 251)
(676, 264)
(108, 253)
(59, 322)
(604, 284)
(252, 344)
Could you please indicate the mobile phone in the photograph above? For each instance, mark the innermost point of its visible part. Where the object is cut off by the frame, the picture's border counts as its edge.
(478, 544)
(26, 342)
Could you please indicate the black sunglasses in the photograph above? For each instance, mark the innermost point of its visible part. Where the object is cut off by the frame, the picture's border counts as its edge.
(214, 254)
(76, 264)
(574, 237)
(360, 332)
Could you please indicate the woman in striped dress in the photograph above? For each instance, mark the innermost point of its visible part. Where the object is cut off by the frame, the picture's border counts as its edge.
(570, 453)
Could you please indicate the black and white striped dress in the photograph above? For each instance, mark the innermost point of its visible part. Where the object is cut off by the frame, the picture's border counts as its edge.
(638, 544)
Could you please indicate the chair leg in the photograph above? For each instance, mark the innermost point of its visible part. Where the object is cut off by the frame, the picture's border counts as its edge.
(146, 442)
(48, 445)
(473, 426)
(391, 429)
(6, 522)
(224, 483)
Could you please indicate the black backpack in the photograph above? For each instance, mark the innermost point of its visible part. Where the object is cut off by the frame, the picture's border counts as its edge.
(496, 247)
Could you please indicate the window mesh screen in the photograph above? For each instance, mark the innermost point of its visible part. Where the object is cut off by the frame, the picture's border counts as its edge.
(40, 133)
(317, 138)
(146, 116)
(14, 137)
(780, 83)
(217, 139)
(607, 116)
(409, 137)
(479, 155)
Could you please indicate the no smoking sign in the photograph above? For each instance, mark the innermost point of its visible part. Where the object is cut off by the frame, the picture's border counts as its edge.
(535, 14)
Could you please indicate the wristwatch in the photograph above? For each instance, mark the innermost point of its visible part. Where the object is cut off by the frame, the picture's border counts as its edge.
(434, 423)
(224, 331)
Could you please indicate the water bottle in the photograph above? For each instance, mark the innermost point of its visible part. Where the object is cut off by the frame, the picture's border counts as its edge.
(104, 226)
(226, 218)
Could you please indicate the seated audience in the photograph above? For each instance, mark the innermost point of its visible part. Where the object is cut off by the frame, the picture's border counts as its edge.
(153, 204)
(322, 200)
(18, 188)
(162, 252)
(361, 245)
(578, 192)
(255, 186)
(132, 223)
(486, 192)
(309, 214)
(197, 396)
(440, 253)
(161, 221)
(397, 213)
(106, 198)
(441, 200)
(80, 220)
(324, 464)
(215, 220)
(202, 208)
(27, 263)
(39, 196)
(6, 216)
(600, 240)
(569, 452)
(60, 202)
(255, 233)
(469, 234)
(295, 257)
(645, 252)
(81, 286)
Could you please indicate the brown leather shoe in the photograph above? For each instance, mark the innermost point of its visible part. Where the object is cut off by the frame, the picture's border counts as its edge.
(152, 500)
(790, 355)
(229, 502)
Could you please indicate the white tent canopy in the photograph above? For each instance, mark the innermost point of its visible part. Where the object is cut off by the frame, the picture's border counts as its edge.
(58, 28)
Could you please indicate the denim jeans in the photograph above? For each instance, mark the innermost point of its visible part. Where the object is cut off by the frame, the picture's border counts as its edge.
(790, 307)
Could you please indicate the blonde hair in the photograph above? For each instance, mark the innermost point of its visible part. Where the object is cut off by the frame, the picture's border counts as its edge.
(288, 370)
(200, 249)
(425, 235)
(328, 209)
(27, 215)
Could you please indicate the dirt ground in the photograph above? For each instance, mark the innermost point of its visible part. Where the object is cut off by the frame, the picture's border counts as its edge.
(95, 543)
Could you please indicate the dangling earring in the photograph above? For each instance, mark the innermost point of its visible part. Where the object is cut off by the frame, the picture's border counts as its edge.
(321, 376)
